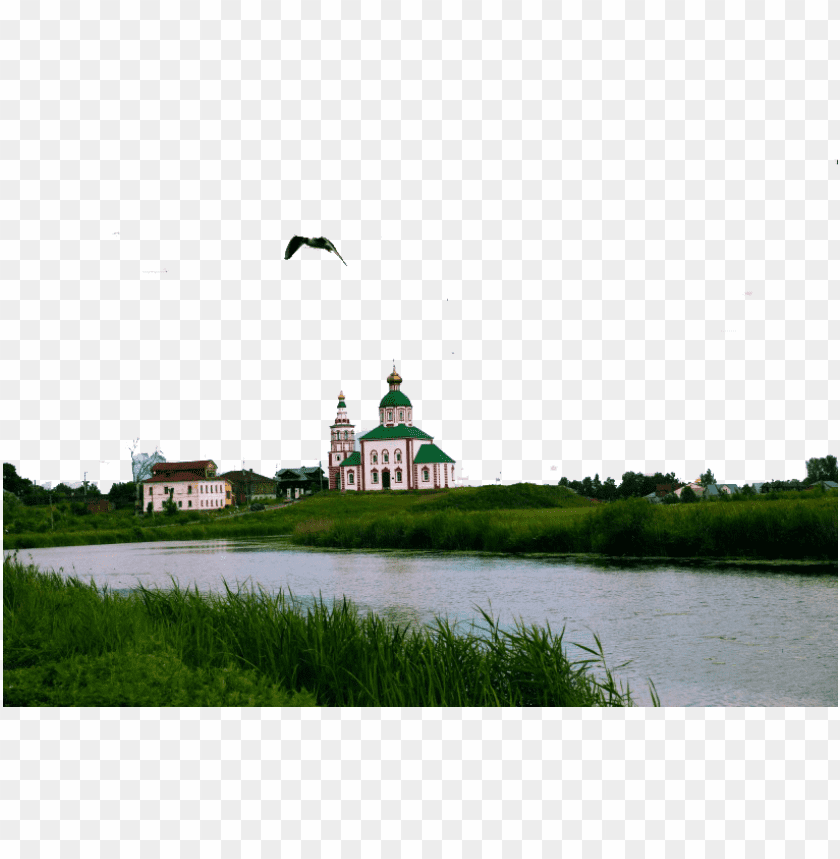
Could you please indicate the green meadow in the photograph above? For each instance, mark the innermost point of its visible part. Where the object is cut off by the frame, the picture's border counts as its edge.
(523, 518)
(69, 644)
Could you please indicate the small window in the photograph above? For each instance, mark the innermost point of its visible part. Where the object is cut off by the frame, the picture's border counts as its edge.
(384, 455)
(189, 503)
(390, 415)
(425, 475)
(180, 503)
(151, 490)
(402, 415)
(189, 490)
(375, 477)
(398, 456)
(350, 477)
(399, 477)
(374, 459)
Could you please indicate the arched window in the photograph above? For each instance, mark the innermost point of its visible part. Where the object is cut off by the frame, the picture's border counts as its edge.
(350, 477)
(426, 474)
(373, 458)
(384, 455)
(402, 415)
(390, 415)
(345, 433)
(399, 476)
(375, 477)
(398, 456)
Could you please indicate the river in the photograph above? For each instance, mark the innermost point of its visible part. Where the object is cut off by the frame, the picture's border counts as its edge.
(730, 636)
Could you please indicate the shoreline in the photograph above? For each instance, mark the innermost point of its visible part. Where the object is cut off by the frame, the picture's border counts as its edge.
(801, 565)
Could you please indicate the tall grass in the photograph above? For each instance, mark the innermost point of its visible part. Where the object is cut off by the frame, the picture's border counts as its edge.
(791, 528)
(71, 644)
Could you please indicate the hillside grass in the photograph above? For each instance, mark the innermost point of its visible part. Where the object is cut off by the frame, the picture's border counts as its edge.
(68, 644)
(523, 518)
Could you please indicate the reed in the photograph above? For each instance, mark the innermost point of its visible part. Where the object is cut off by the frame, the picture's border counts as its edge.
(71, 644)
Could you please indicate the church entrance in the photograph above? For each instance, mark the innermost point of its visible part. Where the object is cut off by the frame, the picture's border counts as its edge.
(386, 479)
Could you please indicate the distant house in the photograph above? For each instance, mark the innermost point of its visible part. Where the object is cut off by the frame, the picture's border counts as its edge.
(828, 484)
(248, 486)
(191, 485)
(294, 482)
(716, 490)
(696, 488)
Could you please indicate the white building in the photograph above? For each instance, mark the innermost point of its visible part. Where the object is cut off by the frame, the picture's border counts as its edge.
(191, 485)
(394, 455)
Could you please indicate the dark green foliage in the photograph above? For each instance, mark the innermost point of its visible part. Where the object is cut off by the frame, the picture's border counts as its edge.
(70, 644)
(821, 469)
(687, 496)
(708, 478)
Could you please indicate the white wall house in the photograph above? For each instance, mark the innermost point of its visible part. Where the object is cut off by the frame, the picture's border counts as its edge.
(191, 485)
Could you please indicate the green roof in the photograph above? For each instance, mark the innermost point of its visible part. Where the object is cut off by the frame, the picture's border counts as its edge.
(399, 431)
(355, 458)
(394, 398)
(429, 453)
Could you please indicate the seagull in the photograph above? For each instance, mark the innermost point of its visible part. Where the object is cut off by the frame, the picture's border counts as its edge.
(322, 243)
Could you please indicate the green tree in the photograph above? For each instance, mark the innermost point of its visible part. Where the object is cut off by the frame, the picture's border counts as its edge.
(169, 506)
(818, 469)
(687, 496)
(13, 482)
(707, 479)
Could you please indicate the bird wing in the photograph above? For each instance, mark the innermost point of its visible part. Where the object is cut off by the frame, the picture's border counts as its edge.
(293, 245)
(331, 247)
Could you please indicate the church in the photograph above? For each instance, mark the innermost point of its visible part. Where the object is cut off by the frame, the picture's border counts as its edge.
(394, 455)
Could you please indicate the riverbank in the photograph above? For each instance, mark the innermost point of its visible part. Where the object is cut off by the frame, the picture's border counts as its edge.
(519, 519)
(67, 643)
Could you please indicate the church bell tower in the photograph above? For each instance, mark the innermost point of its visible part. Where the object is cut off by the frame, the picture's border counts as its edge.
(342, 442)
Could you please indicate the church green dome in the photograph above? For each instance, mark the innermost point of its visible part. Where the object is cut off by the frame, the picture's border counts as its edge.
(394, 398)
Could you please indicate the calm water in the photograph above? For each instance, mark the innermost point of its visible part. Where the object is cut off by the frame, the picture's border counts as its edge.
(733, 637)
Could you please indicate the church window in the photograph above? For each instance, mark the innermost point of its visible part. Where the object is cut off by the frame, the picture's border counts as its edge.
(375, 477)
(425, 474)
(402, 415)
(384, 455)
(350, 477)
(373, 458)
(398, 456)
(399, 476)
(345, 433)
(390, 415)
(382, 416)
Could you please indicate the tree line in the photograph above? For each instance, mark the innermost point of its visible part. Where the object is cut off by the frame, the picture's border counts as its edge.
(637, 485)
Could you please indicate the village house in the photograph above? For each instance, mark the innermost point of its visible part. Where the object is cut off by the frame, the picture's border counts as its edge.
(191, 485)
(292, 483)
(249, 486)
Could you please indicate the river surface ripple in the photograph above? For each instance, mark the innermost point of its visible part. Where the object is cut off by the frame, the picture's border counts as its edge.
(706, 637)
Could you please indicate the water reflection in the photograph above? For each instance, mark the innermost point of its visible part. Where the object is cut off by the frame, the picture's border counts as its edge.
(706, 634)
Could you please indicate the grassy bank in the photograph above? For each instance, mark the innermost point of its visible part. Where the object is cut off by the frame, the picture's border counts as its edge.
(512, 519)
(68, 644)
(762, 528)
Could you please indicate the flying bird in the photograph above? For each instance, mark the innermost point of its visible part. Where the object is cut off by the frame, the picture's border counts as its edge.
(321, 243)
